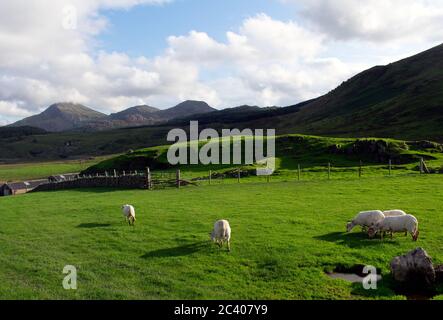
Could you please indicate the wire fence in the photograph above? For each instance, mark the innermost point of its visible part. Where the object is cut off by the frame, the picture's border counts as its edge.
(200, 177)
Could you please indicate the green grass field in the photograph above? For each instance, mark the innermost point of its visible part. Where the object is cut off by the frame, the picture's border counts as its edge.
(284, 236)
(32, 170)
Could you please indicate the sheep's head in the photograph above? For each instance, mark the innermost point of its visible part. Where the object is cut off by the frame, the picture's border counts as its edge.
(373, 229)
(212, 235)
(372, 232)
(349, 226)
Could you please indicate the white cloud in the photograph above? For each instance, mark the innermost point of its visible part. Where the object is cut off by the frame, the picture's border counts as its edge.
(41, 62)
(375, 20)
(12, 111)
(264, 62)
(269, 62)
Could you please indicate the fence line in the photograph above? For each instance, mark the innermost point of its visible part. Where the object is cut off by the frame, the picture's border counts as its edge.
(169, 179)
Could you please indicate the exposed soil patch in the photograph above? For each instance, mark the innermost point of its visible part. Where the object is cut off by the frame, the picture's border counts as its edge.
(352, 274)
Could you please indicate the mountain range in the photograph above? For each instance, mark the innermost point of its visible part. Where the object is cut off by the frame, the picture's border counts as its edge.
(402, 100)
(70, 116)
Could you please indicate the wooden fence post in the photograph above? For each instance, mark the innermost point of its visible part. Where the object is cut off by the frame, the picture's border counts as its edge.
(299, 172)
(178, 178)
(421, 166)
(210, 176)
(390, 166)
(148, 178)
(115, 173)
(238, 175)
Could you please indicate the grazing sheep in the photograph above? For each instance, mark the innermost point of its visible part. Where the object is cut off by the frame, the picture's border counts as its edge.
(394, 213)
(222, 233)
(407, 223)
(365, 219)
(129, 214)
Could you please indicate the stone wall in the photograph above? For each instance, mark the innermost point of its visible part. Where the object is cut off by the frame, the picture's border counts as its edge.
(120, 182)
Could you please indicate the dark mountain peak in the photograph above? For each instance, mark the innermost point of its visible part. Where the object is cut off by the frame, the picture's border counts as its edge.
(186, 108)
(194, 105)
(65, 106)
(192, 102)
(72, 109)
(135, 116)
(61, 117)
(137, 112)
(245, 107)
(144, 108)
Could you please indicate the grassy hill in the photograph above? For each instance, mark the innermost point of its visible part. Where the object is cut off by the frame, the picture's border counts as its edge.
(72, 145)
(402, 100)
(19, 132)
(42, 170)
(292, 150)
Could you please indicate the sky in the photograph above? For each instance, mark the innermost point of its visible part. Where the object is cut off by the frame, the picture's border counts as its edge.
(114, 54)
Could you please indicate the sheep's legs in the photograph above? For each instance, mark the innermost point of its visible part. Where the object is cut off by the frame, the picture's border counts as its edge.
(229, 245)
(415, 235)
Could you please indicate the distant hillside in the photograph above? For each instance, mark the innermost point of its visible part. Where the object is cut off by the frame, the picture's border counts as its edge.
(237, 115)
(400, 100)
(61, 117)
(18, 132)
(292, 150)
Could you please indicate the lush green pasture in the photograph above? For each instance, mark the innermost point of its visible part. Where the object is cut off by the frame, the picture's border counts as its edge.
(32, 170)
(284, 236)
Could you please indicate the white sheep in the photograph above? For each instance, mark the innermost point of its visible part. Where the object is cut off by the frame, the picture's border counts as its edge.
(365, 219)
(394, 213)
(129, 214)
(406, 223)
(222, 233)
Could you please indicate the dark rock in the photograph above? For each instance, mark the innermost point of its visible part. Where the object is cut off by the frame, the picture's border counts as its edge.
(439, 274)
(414, 271)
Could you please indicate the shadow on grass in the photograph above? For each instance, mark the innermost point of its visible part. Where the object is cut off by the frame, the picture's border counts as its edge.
(184, 250)
(384, 289)
(100, 190)
(353, 240)
(93, 225)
